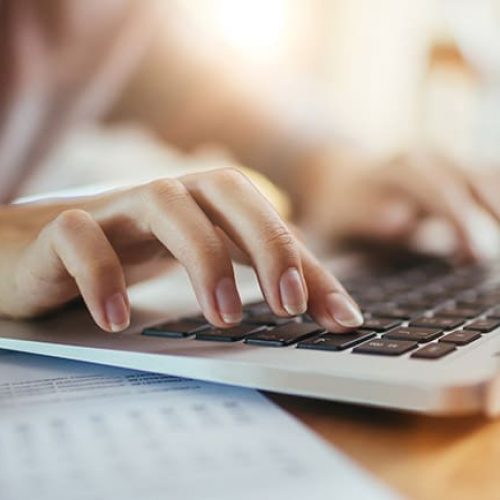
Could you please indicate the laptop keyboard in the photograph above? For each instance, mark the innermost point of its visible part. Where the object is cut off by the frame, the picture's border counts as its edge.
(428, 311)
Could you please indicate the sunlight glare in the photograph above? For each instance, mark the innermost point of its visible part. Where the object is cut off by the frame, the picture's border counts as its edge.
(256, 27)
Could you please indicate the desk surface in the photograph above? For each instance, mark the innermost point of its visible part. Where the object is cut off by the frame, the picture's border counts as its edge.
(423, 458)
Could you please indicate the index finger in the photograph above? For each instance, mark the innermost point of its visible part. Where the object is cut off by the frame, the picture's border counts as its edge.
(329, 302)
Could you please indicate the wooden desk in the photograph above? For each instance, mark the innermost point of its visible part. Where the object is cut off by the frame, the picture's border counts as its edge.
(423, 458)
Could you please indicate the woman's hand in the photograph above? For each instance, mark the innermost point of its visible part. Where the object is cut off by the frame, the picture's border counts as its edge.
(52, 253)
(346, 196)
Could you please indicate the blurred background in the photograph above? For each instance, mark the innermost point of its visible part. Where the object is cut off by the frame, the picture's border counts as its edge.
(393, 74)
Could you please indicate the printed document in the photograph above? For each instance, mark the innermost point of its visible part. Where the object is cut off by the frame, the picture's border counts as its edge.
(72, 430)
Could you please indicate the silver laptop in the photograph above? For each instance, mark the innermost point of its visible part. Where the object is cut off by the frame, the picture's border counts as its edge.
(430, 344)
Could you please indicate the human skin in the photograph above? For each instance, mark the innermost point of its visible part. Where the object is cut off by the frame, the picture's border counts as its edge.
(189, 96)
(55, 252)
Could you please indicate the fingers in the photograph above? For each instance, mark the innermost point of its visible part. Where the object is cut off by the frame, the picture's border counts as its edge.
(77, 254)
(74, 249)
(234, 204)
(184, 229)
(329, 303)
(291, 279)
(438, 192)
(482, 185)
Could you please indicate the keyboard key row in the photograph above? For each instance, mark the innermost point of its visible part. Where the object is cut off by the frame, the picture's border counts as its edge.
(383, 332)
(311, 336)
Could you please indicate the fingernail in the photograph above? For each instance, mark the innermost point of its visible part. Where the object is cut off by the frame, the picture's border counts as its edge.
(228, 301)
(293, 295)
(117, 312)
(343, 310)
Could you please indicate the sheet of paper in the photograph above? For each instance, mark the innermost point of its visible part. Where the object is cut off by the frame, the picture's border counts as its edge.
(70, 430)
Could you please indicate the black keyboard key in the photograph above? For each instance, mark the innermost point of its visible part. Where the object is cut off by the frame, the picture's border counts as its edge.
(483, 325)
(436, 322)
(435, 350)
(397, 313)
(460, 312)
(175, 329)
(414, 333)
(460, 337)
(385, 347)
(284, 335)
(380, 324)
(336, 341)
(268, 319)
(227, 334)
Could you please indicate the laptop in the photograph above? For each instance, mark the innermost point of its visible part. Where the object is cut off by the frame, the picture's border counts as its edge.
(430, 343)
